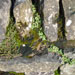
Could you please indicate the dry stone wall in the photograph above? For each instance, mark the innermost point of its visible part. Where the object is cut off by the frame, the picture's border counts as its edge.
(52, 11)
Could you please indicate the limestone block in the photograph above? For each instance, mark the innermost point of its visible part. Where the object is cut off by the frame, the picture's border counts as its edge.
(69, 10)
(51, 12)
(4, 17)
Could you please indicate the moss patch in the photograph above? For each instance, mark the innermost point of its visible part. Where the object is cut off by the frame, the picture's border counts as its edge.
(12, 42)
(11, 45)
(10, 73)
(57, 72)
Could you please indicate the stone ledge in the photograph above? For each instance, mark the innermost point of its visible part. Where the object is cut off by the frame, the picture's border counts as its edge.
(46, 63)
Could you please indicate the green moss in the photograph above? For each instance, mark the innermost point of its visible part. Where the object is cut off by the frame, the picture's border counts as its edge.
(72, 61)
(10, 73)
(59, 52)
(36, 32)
(16, 73)
(36, 25)
(12, 42)
(60, 34)
(11, 29)
(57, 72)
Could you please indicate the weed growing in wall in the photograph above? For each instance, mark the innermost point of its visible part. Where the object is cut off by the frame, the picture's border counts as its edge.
(59, 52)
(36, 25)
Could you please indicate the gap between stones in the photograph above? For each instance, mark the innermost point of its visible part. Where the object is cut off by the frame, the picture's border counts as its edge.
(39, 4)
(11, 10)
(61, 25)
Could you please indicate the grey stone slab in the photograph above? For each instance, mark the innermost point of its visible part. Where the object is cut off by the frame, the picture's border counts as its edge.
(69, 10)
(4, 17)
(23, 16)
(32, 66)
(51, 12)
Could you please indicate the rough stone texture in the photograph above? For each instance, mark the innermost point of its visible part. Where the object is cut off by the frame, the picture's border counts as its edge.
(69, 10)
(4, 17)
(51, 12)
(43, 65)
(68, 70)
(23, 16)
(70, 52)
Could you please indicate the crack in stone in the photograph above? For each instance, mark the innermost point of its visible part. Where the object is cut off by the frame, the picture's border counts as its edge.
(11, 10)
(61, 26)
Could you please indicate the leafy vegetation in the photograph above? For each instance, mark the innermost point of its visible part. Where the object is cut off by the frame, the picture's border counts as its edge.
(37, 35)
(10, 73)
(12, 42)
(57, 72)
(36, 25)
(59, 52)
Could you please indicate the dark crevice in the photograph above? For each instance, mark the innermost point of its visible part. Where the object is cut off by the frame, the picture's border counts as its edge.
(61, 22)
(41, 4)
(58, 71)
(36, 3)
(11, 10)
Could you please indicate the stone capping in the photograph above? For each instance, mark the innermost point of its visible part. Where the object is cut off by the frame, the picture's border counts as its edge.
(44, 63)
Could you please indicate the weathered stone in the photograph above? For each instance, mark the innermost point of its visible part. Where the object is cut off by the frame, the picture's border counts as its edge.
(4, 17)
(43, 64)
(70, 52)
(41, 73)
(51, 12)
(69, 10)
(68, 69)
(23, 16)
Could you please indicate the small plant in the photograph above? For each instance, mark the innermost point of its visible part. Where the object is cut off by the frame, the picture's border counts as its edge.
(59, 52)
(55, 50)
(36, 25)
(10, 73)
(36, 34)
(72, 61)
(14, 73)
(57, 72)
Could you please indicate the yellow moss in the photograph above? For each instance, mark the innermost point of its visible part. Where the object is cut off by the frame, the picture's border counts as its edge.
(16, 73)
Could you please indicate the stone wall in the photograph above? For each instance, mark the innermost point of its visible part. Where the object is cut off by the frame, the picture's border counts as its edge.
(59, 26)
